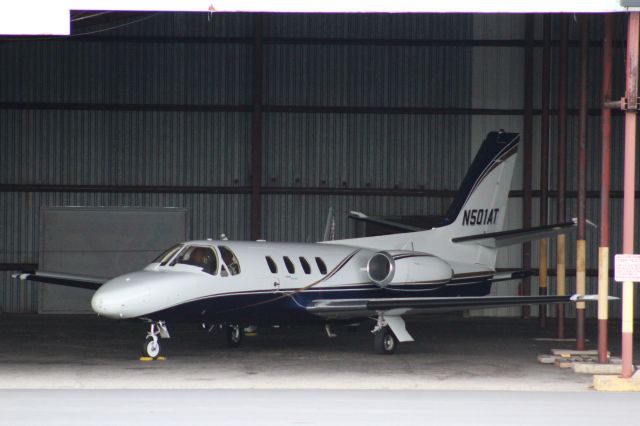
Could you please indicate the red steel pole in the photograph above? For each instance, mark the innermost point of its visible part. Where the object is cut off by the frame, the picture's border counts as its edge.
(544, 164)
(605, 185)
(561, 264)
(525, 287)
(629, 187)
(582, 181)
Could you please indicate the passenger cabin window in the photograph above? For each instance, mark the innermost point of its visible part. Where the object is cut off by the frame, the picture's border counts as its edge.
(230, 259)
(202, 257)
(305, 265)
(321, 266)
(167, 255)
(272, 265)
(289, 264)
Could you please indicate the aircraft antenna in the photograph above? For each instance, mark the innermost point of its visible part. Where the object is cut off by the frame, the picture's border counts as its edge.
(330, 227)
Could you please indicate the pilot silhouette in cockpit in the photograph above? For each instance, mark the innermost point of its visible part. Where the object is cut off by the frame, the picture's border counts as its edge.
(202, 257)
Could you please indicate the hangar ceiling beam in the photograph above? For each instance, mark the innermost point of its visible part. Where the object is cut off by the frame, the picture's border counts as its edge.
(301, 109)
(353, 6)
(54, 18)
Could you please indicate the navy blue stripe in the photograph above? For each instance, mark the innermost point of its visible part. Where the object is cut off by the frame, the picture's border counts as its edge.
(266, 308)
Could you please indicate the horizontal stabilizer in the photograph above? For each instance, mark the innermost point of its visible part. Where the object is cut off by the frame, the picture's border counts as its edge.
(516, 236)
(401, 226)
(68, 280)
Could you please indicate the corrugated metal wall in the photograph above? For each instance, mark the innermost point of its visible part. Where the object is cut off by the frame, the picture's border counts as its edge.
(120, 71)
(364, 150)
(124, 148)
(166, 102)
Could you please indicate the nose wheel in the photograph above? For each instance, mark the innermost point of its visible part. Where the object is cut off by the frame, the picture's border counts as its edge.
(151, 348)
(151, 345)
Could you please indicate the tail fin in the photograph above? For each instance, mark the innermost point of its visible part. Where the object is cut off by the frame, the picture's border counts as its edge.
(481, 202)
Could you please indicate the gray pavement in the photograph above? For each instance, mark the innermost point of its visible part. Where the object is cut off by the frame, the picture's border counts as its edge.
(451, 353)
(306, 407)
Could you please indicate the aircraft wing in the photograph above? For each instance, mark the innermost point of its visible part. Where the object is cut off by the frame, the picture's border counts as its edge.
(351, 308)
(69, 280)
(507, 238)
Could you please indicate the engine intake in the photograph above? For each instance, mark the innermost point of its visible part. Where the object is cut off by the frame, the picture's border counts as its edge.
(381, 268)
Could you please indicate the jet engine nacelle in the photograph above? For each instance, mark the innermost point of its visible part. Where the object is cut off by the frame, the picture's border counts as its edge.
(407, 268)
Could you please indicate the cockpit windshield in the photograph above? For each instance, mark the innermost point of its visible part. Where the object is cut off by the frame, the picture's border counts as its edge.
(167, 255)
(202, 257)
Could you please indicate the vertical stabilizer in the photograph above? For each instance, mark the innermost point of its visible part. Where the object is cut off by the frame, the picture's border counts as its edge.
(481, 202)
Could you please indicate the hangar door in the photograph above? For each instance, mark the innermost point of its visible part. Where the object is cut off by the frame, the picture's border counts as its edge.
(101, 242)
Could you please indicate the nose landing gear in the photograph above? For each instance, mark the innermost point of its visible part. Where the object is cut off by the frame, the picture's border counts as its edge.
(151, 346)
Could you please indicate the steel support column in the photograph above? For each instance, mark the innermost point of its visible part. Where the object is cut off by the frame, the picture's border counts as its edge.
(525, 286)
(629, 186)
(544, 163)
(561, 263)
(256, 132)
(605, 185)
(581, 244)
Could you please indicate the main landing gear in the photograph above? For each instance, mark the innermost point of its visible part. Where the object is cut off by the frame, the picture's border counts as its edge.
(151, 346)
(384, 341)
(388, 332)
(235, 333)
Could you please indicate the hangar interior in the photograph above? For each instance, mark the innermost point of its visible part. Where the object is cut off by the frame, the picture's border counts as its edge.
(257, 124)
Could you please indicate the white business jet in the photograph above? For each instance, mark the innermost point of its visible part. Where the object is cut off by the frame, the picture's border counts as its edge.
(235, 284)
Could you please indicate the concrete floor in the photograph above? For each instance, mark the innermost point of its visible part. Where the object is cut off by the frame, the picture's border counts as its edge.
(315, 407)
(451, 353)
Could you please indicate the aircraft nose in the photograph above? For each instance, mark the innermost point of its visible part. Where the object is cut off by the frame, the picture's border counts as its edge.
(106, 304)
(120, 299)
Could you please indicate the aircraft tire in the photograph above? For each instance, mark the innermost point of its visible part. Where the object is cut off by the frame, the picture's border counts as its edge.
(385, 341)
(235, 334)
(150, 348)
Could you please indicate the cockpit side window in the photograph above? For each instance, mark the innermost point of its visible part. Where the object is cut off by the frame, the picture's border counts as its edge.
(167, 255)
(202, 257)
(230, 259)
